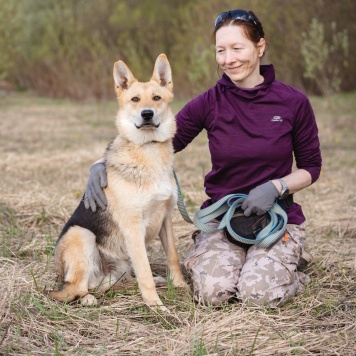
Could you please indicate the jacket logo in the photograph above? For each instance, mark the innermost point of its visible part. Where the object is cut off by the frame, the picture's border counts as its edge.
(277, 119)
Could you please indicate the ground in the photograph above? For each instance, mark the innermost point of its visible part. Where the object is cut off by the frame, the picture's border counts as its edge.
(47, 148)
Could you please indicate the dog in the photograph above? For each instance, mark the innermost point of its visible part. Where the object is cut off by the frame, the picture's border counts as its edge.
(96, 250)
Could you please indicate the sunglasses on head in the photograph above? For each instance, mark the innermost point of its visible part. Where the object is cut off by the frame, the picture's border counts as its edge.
(237, 15)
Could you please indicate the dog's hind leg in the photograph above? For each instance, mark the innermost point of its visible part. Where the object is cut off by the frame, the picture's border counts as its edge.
(120, 271)
(78, 263)
(167, 239)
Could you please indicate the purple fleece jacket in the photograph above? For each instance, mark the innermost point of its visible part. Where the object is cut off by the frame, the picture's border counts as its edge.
(252, 135)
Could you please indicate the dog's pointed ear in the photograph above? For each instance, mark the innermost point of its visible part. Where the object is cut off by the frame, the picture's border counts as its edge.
(162, 72)
(123, 76)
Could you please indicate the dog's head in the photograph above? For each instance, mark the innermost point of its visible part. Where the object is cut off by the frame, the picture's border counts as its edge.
(144, 113)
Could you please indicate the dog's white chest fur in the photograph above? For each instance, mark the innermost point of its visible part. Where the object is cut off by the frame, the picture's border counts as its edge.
(142, 178)
(143, 192)
(163, 187)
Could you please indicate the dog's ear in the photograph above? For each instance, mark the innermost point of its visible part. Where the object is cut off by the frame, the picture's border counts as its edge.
(162, 72)
(123, 76)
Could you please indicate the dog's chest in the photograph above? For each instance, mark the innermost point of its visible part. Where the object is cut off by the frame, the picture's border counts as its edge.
(162, 189)
(154, 186)
(141, 176)
(141, 186)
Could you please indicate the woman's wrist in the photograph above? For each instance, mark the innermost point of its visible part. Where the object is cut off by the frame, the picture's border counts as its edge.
(277, 184)
(100, 160)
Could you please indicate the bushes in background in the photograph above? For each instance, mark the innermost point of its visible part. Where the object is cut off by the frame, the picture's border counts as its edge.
(67, 48)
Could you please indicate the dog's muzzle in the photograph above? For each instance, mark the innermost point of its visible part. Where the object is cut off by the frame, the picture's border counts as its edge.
(147, 119)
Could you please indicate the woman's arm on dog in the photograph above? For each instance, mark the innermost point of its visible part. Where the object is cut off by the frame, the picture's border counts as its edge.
(94, 194)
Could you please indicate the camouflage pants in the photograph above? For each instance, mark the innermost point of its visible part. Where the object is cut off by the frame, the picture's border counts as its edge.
(222, 271)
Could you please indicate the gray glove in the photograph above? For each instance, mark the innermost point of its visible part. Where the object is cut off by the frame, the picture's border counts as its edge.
(94, 193)
(260, 199)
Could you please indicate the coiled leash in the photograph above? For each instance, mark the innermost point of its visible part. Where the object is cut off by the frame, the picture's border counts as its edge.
(227, 205)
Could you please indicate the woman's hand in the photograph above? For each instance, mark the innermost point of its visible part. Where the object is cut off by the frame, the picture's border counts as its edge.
(260, 199)
(94, 194)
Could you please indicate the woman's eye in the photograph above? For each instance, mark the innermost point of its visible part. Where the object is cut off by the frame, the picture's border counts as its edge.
(135, 99)
(156, 98)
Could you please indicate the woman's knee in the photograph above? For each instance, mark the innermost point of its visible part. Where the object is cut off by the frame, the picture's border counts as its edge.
(215, 275)
(257, 295)
(271, 297)
(267, 282)
(213, 290)
(271, 277)
(214, 266)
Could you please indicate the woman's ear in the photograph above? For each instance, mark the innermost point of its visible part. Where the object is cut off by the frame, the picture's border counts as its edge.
(261, 47)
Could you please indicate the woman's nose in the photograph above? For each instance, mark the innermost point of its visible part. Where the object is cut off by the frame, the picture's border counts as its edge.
(229, 57)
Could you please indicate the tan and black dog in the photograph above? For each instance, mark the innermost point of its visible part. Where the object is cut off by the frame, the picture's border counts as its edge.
(98, 249)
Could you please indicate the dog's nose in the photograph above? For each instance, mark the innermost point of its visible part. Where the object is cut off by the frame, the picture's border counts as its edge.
(147, 114)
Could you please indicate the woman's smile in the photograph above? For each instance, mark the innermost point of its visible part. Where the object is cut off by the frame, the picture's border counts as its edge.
(235, 68)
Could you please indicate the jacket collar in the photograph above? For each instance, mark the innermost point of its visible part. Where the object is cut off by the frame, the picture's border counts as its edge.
(267, 71)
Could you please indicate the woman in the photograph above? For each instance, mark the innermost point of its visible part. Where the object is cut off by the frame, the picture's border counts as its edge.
(255, 124)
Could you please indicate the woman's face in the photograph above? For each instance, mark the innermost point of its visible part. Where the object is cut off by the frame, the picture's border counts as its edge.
(239, 57)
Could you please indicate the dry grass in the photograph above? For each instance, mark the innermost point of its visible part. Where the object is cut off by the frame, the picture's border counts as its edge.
(47, 148)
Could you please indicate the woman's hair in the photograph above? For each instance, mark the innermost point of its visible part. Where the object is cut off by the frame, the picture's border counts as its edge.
(252, 30)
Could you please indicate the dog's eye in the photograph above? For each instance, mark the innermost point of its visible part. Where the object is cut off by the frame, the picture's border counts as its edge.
(135, 99)
(156, 98)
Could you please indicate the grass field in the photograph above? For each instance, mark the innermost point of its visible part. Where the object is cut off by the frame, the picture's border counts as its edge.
(47, 148)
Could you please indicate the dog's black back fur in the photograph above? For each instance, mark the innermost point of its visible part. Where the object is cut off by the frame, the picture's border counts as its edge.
(98, 222)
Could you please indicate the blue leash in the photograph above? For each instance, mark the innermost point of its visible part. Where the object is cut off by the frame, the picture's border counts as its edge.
(227, 206)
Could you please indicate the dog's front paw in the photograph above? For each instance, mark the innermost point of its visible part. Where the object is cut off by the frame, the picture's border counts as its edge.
(180, 282)
(164, 309)
(185, 286)
(157, 305)
(160, 308)
(89, 301)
